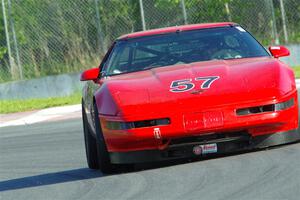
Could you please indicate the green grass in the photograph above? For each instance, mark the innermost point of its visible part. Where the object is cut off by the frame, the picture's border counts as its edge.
(11, 106)
(297, 71)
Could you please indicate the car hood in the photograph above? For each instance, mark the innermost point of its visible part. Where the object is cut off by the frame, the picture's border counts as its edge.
(239, 80)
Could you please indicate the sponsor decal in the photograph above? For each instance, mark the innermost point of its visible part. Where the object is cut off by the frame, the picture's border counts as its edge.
(275, 48)
(205, 149)
(197, 150)
(157, 133)
(240, 29)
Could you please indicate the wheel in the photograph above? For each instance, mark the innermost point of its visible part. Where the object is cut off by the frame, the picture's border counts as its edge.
(103, 156)
(90, 144)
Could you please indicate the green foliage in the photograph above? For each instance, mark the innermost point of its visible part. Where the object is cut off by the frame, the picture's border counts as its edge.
(118, 17)
(3, 51)
(297, 71)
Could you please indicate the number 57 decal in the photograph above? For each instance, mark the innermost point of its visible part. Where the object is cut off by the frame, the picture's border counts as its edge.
(187, 84)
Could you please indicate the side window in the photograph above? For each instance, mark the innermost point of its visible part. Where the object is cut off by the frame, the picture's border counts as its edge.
(118, 60)
(103, 64)
(124, 56)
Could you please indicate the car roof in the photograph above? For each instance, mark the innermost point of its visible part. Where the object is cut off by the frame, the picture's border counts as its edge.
(175, 29)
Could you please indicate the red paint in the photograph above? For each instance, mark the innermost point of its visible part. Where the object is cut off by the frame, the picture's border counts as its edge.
(175, 29)
(279, 51)
(90, 74)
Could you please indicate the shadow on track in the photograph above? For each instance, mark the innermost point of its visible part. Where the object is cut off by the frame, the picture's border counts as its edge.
(49, 179)
(86, 173)
(80, 174)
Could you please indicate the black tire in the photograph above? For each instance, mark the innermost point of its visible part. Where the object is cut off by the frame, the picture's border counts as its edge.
(90, 144)
(103, 156)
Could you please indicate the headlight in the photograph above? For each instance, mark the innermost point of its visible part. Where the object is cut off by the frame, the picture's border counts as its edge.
(285, 105)
(116, 125)
(266, 108)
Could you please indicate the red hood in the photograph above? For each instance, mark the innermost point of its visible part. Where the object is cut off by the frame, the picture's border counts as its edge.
(240, 80)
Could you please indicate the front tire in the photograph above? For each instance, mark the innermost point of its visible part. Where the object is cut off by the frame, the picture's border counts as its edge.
(103, 156)
(90, 144)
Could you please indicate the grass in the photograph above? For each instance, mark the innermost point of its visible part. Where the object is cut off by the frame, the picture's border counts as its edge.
(297, 71)
(11, 106)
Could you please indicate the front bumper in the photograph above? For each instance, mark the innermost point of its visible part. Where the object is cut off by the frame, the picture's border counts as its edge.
(186, 124)
(186, 150)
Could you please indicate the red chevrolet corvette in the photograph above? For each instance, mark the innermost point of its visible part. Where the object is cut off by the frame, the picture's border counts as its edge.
(184, 92)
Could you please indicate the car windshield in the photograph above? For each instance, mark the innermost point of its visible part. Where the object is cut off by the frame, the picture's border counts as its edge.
(185, 47)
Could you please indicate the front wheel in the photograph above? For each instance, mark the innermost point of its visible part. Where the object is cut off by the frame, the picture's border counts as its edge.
(90, 144)
(103, 156)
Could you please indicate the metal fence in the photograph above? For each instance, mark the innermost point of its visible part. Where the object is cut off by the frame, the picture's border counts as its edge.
(48, 37)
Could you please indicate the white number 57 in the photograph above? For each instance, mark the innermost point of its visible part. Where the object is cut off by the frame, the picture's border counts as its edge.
(187, 84)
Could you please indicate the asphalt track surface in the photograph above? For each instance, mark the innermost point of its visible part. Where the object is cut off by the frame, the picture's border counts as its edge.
(47, 161)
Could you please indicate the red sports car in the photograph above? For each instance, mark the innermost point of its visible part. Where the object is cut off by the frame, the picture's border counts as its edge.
(184, 92)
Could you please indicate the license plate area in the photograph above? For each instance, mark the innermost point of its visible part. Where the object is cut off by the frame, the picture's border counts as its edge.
(196, 121)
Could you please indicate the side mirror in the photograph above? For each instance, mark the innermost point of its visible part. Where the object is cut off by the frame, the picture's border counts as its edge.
(90, 74)
(279, 51)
